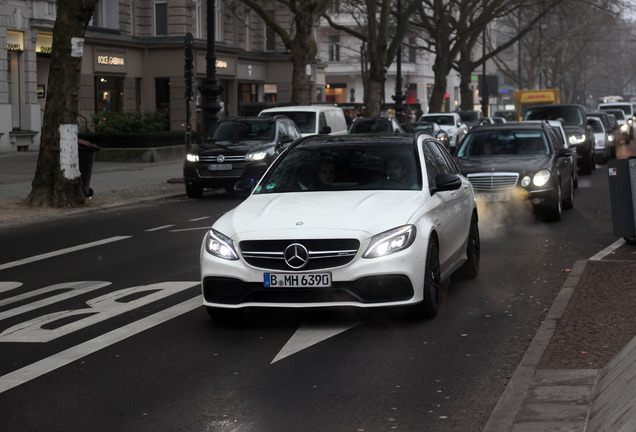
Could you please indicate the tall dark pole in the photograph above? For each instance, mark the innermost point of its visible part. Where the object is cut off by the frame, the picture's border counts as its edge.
(484, 83)
(210, 90)
(399, 97)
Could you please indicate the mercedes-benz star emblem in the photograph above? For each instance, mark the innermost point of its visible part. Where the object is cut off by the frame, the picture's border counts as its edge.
(296, 256)
(220, 158)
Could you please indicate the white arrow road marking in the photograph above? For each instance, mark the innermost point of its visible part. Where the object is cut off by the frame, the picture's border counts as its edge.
(8, 286)
(70, 355)
(310, 334)
(60, 252)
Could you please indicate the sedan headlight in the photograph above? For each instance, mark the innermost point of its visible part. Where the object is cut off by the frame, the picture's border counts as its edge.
(624, 127)
(576, 139)
(192, 157)
(393, 240)
(610, 138)
(256, 156)
(220, 245)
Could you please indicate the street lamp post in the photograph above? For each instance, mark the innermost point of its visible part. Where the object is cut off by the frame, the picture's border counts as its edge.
(210, 89)
(399, 97)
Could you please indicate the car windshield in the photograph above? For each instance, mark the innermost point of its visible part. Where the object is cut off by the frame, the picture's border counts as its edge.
(442, 120)
(596, 125)
(370, 126)
(503, 143)
(424, 127)
(627, 109)
(334, 166)
(245, 130)
(619, 114)
(306, 121)
(568, 115)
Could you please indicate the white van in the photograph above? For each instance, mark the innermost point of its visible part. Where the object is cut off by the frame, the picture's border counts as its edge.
(313, 119)
(627, 108)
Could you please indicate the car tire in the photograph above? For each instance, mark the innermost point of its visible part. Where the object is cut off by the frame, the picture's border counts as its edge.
(470, 268)
(432, 283)
(568, 201)
(193, 191)
(230, 316)
(630, 240)
(555, 211)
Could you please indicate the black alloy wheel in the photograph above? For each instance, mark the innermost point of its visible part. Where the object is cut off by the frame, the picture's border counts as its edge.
(432, 282)
(470, 268)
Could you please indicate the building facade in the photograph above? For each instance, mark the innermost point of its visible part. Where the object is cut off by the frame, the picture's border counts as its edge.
(133, 60)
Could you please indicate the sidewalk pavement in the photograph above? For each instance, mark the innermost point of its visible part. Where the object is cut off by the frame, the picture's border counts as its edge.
(577, 375)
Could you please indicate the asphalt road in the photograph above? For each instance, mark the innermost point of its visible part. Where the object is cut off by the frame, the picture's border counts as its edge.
(145, 356)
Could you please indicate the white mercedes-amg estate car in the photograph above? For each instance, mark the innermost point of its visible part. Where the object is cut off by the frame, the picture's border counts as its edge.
(351, 220)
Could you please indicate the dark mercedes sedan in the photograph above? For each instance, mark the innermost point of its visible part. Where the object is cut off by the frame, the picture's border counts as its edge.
(519, 162)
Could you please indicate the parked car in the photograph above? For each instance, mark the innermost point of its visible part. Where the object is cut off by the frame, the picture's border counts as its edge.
(375, 236)
(601, 142)
(375, 125)
(452, 123)
(240, 147)
(622, 123)
(628, 110)
(430, 128)
(557, 128)
(574, 120)
(313, 119)
(523, 162)
(613, 133)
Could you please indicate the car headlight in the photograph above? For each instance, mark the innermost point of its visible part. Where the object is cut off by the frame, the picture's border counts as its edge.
(388, 242)
(630, 121)
(220, 245)
(256, 156)
(192, 157)
(610, 138)
(541, 178)
(624, 127)
(576, 139)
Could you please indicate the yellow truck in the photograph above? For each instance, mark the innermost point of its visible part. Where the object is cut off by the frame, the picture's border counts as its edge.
(526, 98)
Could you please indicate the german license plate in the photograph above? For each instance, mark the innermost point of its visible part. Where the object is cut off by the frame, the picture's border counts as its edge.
(297, 280)
(220, 167)
(493, 197)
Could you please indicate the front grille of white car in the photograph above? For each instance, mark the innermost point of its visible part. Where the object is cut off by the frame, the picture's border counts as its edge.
(321, 253)
(497, 181)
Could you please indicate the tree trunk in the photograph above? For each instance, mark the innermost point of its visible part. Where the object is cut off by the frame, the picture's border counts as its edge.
(465, 74)
(441, 67)
(57, 182)
(303, 53)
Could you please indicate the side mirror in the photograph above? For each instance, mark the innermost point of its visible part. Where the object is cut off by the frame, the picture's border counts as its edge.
(243, 188)
(564, 152)
(446, 182)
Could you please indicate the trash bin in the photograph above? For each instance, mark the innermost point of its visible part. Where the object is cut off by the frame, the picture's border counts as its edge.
(622, 184)
(86, 152)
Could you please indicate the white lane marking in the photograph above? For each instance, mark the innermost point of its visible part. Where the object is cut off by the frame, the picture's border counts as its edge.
(61, 252)
(310, 334)
(72, 289)
(608, 250)
(199, 219)
(45, 329)
(159, 228)
(8, 286)
(191, 229)
(44, 366)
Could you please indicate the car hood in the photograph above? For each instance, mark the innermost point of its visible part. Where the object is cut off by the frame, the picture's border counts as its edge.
(573, 129)
(520, 164)
(320, 214)
(228, 147)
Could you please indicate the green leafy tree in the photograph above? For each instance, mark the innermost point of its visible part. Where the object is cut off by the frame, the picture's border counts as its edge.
(57, 182)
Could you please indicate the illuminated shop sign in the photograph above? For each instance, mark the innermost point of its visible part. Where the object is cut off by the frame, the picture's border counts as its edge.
(110, 60)
(221, 64)
(15, 41)
(44, 43)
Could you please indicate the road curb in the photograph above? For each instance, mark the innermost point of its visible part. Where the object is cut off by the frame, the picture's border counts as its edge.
(505, 412)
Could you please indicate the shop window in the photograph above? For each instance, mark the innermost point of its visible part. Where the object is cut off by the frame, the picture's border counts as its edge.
(162, 95)
(161, 18)
(109, 93)
(107, 14)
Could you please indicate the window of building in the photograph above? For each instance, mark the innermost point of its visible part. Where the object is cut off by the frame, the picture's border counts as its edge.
(334, 7)
(196, 20)
(334, 48)
(270, 38)
(162, 95)
(161, 18)
(412, 51)
(109, 93)
(107, 14)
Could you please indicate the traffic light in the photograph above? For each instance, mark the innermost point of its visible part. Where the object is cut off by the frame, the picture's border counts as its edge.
(188, 71)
